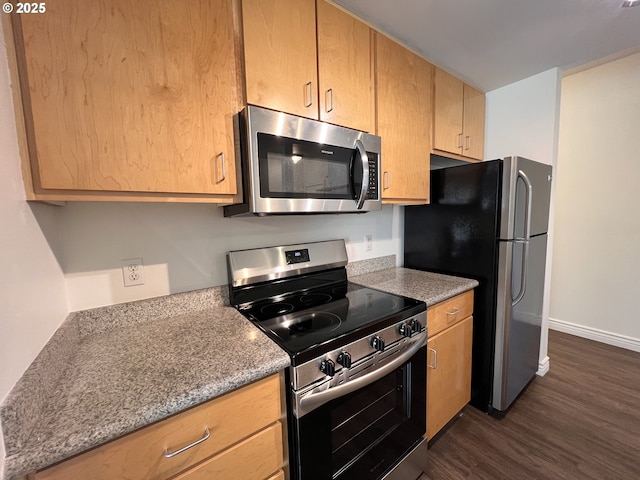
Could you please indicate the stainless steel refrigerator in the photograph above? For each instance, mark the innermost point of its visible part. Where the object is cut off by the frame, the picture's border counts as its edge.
(489, 221)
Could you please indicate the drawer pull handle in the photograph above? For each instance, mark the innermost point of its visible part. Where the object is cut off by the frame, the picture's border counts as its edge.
(455, 312)
(207, 434)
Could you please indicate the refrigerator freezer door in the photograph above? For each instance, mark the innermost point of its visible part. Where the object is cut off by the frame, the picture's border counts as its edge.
(518, 317)
(526, 192)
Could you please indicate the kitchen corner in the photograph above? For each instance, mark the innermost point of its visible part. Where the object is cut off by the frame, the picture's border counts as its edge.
(112, 370)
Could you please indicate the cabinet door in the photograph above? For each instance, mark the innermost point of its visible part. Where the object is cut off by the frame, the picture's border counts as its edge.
(280, 55)
(449, 374)
(473, 125)
(345, 69)
(129, 97)
(448, 111)
(403, 101)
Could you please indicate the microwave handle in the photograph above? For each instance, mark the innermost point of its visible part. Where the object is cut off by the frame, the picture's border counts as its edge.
(365, 174)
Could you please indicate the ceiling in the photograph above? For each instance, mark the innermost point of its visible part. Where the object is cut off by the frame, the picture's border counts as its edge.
(492, 43)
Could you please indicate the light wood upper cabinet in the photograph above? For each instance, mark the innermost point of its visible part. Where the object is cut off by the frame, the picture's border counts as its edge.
(345, 69)
(403, 103)
(473, 123)
(129, 100)
(280, 56)
(448, 110)
(288, 68)
(459, 111)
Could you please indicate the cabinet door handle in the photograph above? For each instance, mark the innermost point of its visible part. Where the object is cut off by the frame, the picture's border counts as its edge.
(467, 142)
(435, 359)
(460, 140)
(329, 94)
(207, 434)
(386, 180)
(308, 94)
(223, 164)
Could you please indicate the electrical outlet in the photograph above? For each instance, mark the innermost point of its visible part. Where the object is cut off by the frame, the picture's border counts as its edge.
(368, 243)
(132, 272)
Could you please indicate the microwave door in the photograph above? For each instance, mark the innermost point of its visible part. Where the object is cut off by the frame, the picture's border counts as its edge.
(360, 174)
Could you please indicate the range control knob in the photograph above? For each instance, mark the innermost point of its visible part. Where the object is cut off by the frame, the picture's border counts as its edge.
(405, 330)
(377, 343)
(344, 359)
(415, 325)
(328, 367)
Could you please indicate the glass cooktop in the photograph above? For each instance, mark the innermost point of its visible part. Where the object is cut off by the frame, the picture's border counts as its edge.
(311, 323)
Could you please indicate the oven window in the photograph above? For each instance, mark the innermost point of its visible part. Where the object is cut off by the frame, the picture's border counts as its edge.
(365, 433)
(291, 168)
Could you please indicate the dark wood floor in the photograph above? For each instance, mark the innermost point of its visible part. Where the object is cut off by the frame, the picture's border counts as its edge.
(580, 421)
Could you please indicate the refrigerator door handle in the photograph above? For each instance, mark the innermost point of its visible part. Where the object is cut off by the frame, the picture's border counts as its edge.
(528, 202)
(523, 272)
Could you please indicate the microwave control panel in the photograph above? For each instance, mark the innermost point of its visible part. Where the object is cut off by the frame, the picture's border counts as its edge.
(372, 192)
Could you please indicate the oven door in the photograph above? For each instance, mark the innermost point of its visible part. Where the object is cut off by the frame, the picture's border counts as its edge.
(363, 434)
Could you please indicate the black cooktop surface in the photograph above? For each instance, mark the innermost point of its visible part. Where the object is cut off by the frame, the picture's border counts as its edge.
(311, 323)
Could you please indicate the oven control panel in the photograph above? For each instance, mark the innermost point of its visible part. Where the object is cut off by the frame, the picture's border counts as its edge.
(297, 256)
(338, 365)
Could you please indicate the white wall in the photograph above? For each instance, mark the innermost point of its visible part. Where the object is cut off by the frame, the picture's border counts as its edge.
(522, 119)
(33, 301)
(596, 248)
(183, 247)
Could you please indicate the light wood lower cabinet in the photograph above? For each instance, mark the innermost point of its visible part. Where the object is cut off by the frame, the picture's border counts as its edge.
(245, 441)
(252, 459)
(449, 360)
(277, 476)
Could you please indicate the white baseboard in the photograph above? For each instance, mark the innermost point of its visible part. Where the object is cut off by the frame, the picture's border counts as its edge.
(543, 367)
(596, 334)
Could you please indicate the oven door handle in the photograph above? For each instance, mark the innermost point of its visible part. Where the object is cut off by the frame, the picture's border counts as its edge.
(309, 401)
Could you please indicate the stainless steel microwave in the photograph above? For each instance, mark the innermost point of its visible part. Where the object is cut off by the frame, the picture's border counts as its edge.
(295, 165)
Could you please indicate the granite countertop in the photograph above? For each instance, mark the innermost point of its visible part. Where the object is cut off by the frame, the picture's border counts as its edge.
(128, 377)
(430, 287)
(111, 370)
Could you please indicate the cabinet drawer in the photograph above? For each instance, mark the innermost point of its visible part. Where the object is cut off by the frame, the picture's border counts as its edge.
(255, 458)
(229, 419)
(449, 312)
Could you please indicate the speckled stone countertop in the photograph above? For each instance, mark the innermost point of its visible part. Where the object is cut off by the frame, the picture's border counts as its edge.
(111, 370)
(430, 287)
(127, 377)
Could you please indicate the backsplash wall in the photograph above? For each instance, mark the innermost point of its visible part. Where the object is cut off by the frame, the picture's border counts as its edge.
(184, 247)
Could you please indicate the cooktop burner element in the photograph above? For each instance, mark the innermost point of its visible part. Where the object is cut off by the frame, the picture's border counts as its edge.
(310, 307)
(274, 309)
(315, 298)
(311, 322)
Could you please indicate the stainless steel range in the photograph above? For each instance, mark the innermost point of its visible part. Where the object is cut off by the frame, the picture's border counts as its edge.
(357, 382)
